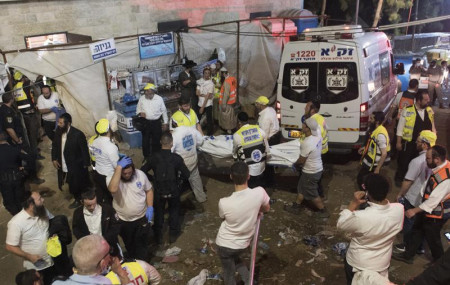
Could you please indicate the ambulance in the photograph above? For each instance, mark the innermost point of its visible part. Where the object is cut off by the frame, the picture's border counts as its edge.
(349, 71)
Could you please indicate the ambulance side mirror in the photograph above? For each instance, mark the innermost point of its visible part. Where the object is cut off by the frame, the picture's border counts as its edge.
(399, 69)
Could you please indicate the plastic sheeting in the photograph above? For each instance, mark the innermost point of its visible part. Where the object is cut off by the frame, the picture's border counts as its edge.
(284, 154)
(81, 83)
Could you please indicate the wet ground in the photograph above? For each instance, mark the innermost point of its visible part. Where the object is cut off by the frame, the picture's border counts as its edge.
(282, 257)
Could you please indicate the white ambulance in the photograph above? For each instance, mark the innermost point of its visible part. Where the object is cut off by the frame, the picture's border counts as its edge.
(349, 71)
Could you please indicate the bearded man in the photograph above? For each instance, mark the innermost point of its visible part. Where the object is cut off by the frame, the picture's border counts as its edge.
(70, 156)
(132, 195)
(48, 105)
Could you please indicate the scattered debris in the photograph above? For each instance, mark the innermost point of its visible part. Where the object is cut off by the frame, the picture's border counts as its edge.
(188, 261)
(341, 248)
(298, 263)
(174, 275)
(263, 245)
(170, 259)
(172, 251)
(217, 277)
(314, 273)
(311, 240)
(200, 279)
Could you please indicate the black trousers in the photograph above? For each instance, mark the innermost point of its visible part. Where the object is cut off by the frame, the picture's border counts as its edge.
(135, 236)
(209, 120)
(159, 204)
(151, 137)
(348, 272)
(269, 172)
(13, 195)
(102, 192)
(427, 228)
(78, 181)
(49, 129)
(362, 174)
(256, 181)
(32, 124)
(48, 274)
(408, 153)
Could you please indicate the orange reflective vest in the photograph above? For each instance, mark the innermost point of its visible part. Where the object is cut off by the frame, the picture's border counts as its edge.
(233, 86)
(442, 211)
(406, 101)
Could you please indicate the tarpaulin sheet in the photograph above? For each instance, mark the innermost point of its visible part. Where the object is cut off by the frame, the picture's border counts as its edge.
(81, 83)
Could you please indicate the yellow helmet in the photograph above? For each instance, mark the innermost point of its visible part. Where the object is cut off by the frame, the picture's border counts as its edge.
(18, 75)
(102, 126)
(428, 137)
(150, 86)
(263, 100)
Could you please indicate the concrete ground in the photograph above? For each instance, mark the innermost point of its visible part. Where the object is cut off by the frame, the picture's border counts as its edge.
(282, 257)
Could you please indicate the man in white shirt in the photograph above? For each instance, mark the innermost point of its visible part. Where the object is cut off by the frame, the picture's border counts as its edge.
(250, 145)
(48, 105)
(268, 120)
(133, 201)
(310, 161)
(27, 236)
(205, 93)
(185, 142)
(152, 108)
(239, 213)
(418, 173)
(434, 211)
(106, 155)
(373, 229)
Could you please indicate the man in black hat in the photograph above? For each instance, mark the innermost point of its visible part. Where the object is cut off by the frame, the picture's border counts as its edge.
(188, 83)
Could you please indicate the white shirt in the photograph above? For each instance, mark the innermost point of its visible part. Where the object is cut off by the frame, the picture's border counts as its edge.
(205, 87)
(153, 108)
(437, 195)
(130, 202)
(373, 231)
(254, 169)
(402, 120)
(418, 172)
(93, 220)
(311, 148)
(268, 121)
(30, 234)
(63, 145)
(185, 142)
(52, 101)
(240, 212)
(106, 155)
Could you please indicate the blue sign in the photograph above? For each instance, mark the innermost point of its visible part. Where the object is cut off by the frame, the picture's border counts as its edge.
(103, 49)
(156, 45)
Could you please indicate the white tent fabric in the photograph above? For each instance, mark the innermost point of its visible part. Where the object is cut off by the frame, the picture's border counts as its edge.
(82, 83)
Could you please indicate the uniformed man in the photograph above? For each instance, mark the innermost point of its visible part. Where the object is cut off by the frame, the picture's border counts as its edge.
(406, 98)
(152, 108)
(26, 105)
(417, 70)
(375, 153)
(228, 102)
(106, 155)
(250, 145)
(188, 83)
(185, 116)
(414, 119)
(435, 76)
(12, 125)
(216, 77)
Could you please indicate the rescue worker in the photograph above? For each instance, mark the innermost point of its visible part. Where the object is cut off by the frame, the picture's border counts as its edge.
(139, 272)
(228, 102)
(406, 98)
(413, 120)
(375, 153)
(434, 211)
(417, 70)
(217, 79)
(49, 107)
(106, 155)
(435, 76)
(90, 141)
(250, 145)
(168, 169)
(26, 105)
(188, 83)
(12, 125)
(185, 116)
(152, 108)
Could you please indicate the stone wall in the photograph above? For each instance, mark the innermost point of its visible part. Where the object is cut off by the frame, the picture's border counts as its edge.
(112, 18)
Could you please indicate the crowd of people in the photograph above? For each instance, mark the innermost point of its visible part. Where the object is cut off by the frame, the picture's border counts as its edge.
(115, 199)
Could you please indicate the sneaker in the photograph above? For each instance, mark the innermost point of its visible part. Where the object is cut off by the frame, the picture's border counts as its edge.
(420, 251)
(400, 247)
(322, 214)
(75, 204)
(401, 257)
(37, 180)
(294, 208)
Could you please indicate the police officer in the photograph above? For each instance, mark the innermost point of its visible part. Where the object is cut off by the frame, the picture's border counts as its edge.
(11, 123)
(250, 145)
(413, 120)
(168, 169)
(435, 76)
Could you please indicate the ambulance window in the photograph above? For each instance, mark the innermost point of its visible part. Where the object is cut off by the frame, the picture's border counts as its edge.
(385, 67)
(338, 82)
(300, 82)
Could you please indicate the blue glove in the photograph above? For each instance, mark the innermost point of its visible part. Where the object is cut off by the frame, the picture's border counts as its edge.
(124, 161)
(149, 213)
(54, 109)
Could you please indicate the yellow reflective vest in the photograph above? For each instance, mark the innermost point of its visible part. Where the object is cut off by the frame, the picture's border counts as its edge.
(138, 275)
(91, 153)
(217, 84)
(323, 131)
(252, 142)
(372, 152)
(23, 102)
(410, 120)
(183, 120)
